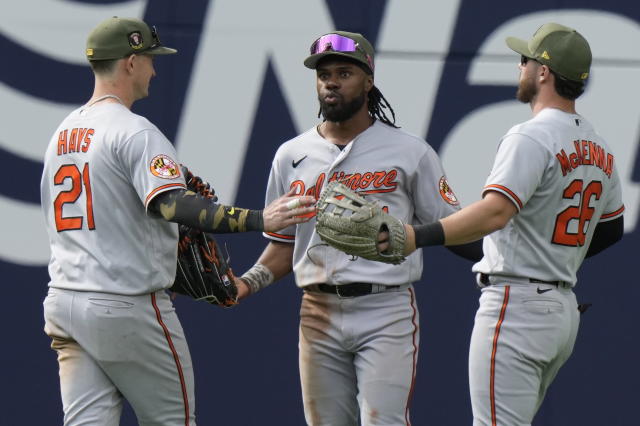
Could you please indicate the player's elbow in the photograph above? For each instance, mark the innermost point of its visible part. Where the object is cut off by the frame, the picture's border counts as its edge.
(499, 211)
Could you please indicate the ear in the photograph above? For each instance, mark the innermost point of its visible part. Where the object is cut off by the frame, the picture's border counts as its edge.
(544, 73)
(130, 63)
(368, 83)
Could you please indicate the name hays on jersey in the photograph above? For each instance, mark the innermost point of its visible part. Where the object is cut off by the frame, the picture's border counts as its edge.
(76, 140)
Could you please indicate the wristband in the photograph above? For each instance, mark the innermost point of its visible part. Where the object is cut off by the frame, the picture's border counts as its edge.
(257, 278)
(431, 234)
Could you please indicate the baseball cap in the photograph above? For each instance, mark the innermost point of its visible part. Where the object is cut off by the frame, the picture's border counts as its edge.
(341, 43)
(561, 48)
(116, 38)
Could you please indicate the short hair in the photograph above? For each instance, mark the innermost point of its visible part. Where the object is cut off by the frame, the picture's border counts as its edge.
(103, 67)
(568, 89)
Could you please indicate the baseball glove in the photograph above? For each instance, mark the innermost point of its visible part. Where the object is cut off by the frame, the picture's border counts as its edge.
(202, 272)
(348, 222)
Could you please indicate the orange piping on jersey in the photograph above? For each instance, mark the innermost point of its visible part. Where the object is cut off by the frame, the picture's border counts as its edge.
(616, 213)
(160, 188)
(284, 237)
(415, 355)
(492, 380)
(507, 190)
(376, 191)
(176, 358)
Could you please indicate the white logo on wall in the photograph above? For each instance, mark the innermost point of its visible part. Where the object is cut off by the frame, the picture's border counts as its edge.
(413, 29)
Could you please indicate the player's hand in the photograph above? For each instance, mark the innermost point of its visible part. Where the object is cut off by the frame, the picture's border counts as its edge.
(288, 210)
(383, 241)
(409, 244)
(243, 288)
(410, 241)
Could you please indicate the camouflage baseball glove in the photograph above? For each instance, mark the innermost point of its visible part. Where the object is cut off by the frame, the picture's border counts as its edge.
(203, 272)
(348, 222)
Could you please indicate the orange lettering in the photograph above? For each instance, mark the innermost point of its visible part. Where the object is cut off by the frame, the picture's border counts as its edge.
(87, 140)
(564, 162)
(353, 181)
(81, 135)
(575, 160)
(62, 142)
(366, 180)
(299, 186)
(377, 180)
(609, 168)
(585, 149)
(318, 187)
(389, 180)
(73, 137)
(576, 145)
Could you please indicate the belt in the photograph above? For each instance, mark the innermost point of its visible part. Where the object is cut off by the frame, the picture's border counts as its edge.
(351, 290)
(485, 280)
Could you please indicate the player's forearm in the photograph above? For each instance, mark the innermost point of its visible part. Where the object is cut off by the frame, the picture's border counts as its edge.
(188, 208)
(275, 262)
(278, 257)
(472, 223)
(467, 225)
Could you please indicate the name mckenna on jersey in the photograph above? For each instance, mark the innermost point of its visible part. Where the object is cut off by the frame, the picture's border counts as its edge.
(587, 153)
(383, 181)
(77, 140)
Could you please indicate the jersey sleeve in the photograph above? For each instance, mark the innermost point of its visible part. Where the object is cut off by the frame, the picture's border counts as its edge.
(275, 190)
(518, 168)
(613, 208)
(433, 197)
(150, 161)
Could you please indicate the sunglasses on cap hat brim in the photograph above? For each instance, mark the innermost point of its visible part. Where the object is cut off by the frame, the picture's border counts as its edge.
(338, 43)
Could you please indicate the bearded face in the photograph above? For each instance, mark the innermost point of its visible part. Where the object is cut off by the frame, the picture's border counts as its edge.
(336, 109)
(527, 89)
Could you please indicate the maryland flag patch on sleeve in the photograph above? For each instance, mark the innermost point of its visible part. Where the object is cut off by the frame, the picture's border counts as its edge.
(447, 193)
(164, 167)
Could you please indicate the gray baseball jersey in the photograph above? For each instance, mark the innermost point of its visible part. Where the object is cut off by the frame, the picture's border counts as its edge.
(102, 167)
(402, 172)
(114, 328)
(358, 355)
(561, 176)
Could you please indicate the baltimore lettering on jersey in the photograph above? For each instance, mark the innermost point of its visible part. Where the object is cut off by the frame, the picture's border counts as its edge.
(381, 181)
(587, 153)
(76, 140)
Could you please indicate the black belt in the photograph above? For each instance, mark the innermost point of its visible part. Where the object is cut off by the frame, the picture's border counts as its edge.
(350, 290)
(484, 279)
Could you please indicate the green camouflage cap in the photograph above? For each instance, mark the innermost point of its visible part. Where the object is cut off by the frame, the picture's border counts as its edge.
(116, 38)
(561, 48)
(341, 43)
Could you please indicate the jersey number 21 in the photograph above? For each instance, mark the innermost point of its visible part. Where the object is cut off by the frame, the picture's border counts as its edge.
(78, 180)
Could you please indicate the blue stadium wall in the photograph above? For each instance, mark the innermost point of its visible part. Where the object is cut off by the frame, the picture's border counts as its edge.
(236, 91)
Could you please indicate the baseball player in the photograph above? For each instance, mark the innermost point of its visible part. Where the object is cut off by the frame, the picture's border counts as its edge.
(359, 332)
(110, 188)
(552, 198)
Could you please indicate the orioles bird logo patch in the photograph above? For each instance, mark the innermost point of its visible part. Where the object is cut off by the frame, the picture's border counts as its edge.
(164, 167)
(447, 193)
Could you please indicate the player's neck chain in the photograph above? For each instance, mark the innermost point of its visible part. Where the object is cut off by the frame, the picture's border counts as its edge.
(102, 98)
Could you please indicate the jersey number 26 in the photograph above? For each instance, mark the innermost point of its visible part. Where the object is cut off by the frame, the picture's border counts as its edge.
(582, 213)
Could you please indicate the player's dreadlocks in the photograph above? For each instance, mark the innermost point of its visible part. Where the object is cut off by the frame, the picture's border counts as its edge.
(377, 104)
